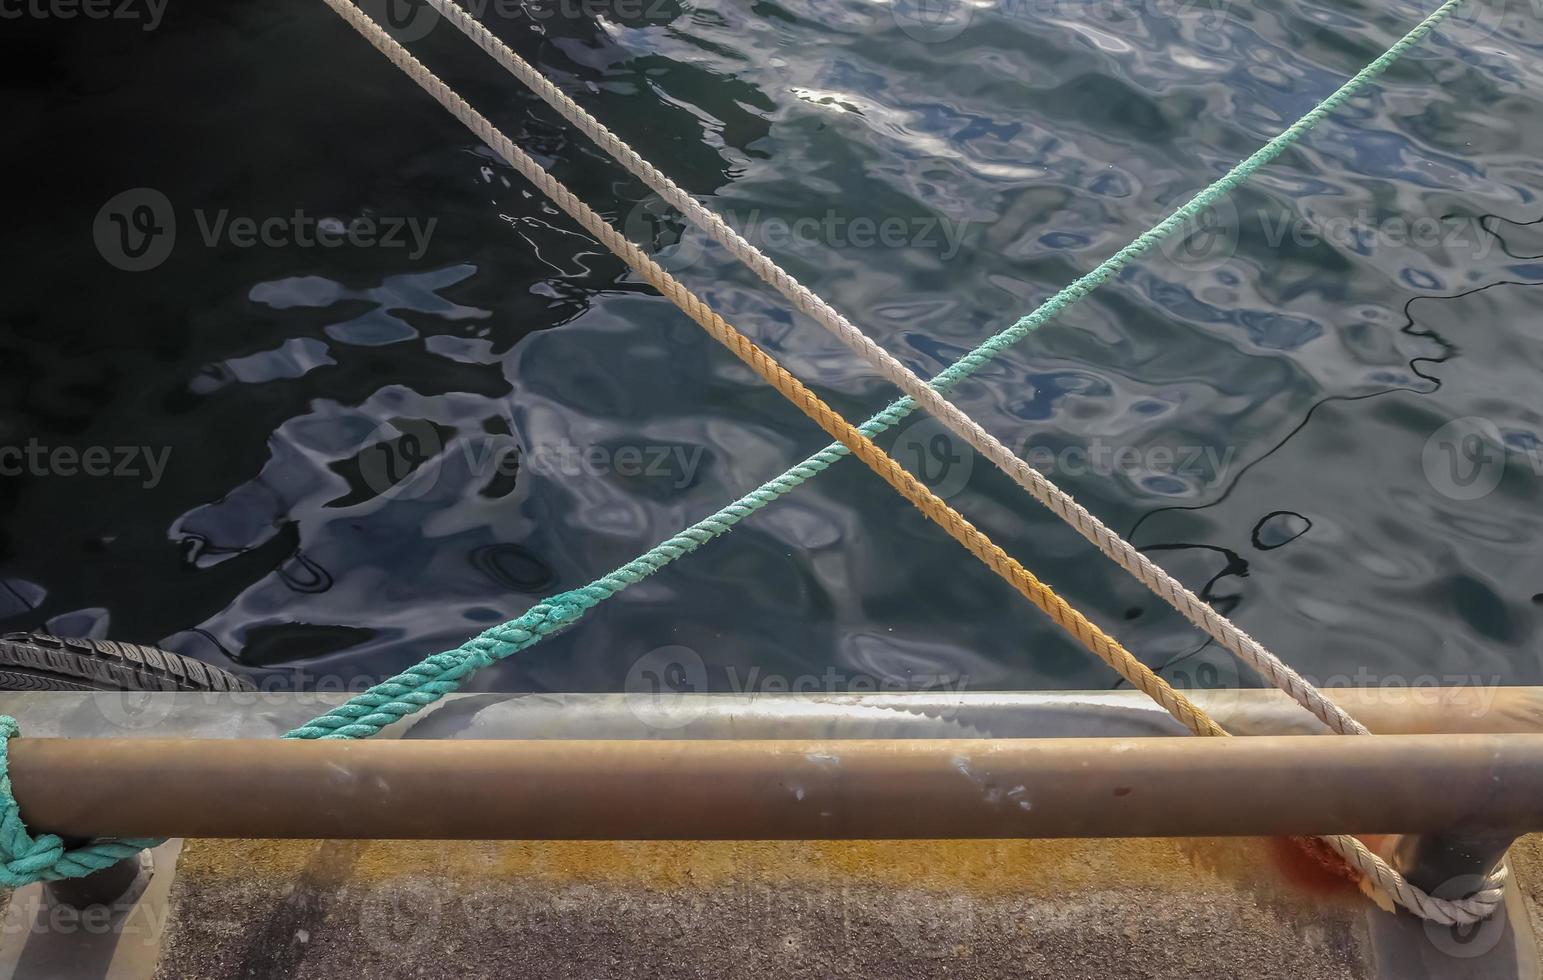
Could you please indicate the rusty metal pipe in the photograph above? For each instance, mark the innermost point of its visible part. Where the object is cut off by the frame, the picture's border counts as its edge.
(785, 789)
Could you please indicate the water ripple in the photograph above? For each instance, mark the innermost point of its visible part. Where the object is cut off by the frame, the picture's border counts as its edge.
(375, 456)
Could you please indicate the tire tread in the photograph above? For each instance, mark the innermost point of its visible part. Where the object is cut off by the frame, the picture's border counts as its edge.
(37, 661)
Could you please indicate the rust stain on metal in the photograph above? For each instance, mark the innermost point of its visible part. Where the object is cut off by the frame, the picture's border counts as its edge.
(1308, 864)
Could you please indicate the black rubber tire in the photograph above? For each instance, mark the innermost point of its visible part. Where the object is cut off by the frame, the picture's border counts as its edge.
(36, 662)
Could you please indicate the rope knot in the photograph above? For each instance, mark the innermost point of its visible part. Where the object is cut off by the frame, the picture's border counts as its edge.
(28, 859)
(23, 858)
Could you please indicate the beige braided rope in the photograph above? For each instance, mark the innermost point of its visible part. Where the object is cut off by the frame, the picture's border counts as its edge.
(1138, 674)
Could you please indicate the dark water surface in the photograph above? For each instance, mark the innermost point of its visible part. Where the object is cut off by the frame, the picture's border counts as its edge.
(1321, 412)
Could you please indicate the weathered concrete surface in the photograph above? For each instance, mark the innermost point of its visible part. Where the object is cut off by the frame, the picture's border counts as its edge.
(1526, 861)
(1096, 909)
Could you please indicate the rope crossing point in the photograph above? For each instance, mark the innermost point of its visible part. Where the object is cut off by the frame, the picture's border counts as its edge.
(1106, 539)
(976, 542)
(408, 692)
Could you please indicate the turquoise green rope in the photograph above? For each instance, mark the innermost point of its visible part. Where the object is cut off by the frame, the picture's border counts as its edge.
(423, 684)
(44, 858)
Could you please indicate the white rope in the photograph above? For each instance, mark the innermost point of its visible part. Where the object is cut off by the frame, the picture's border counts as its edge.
(1446, 911)
(1060, 503)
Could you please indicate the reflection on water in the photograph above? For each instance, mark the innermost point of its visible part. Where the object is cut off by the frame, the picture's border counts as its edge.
(376, 453)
